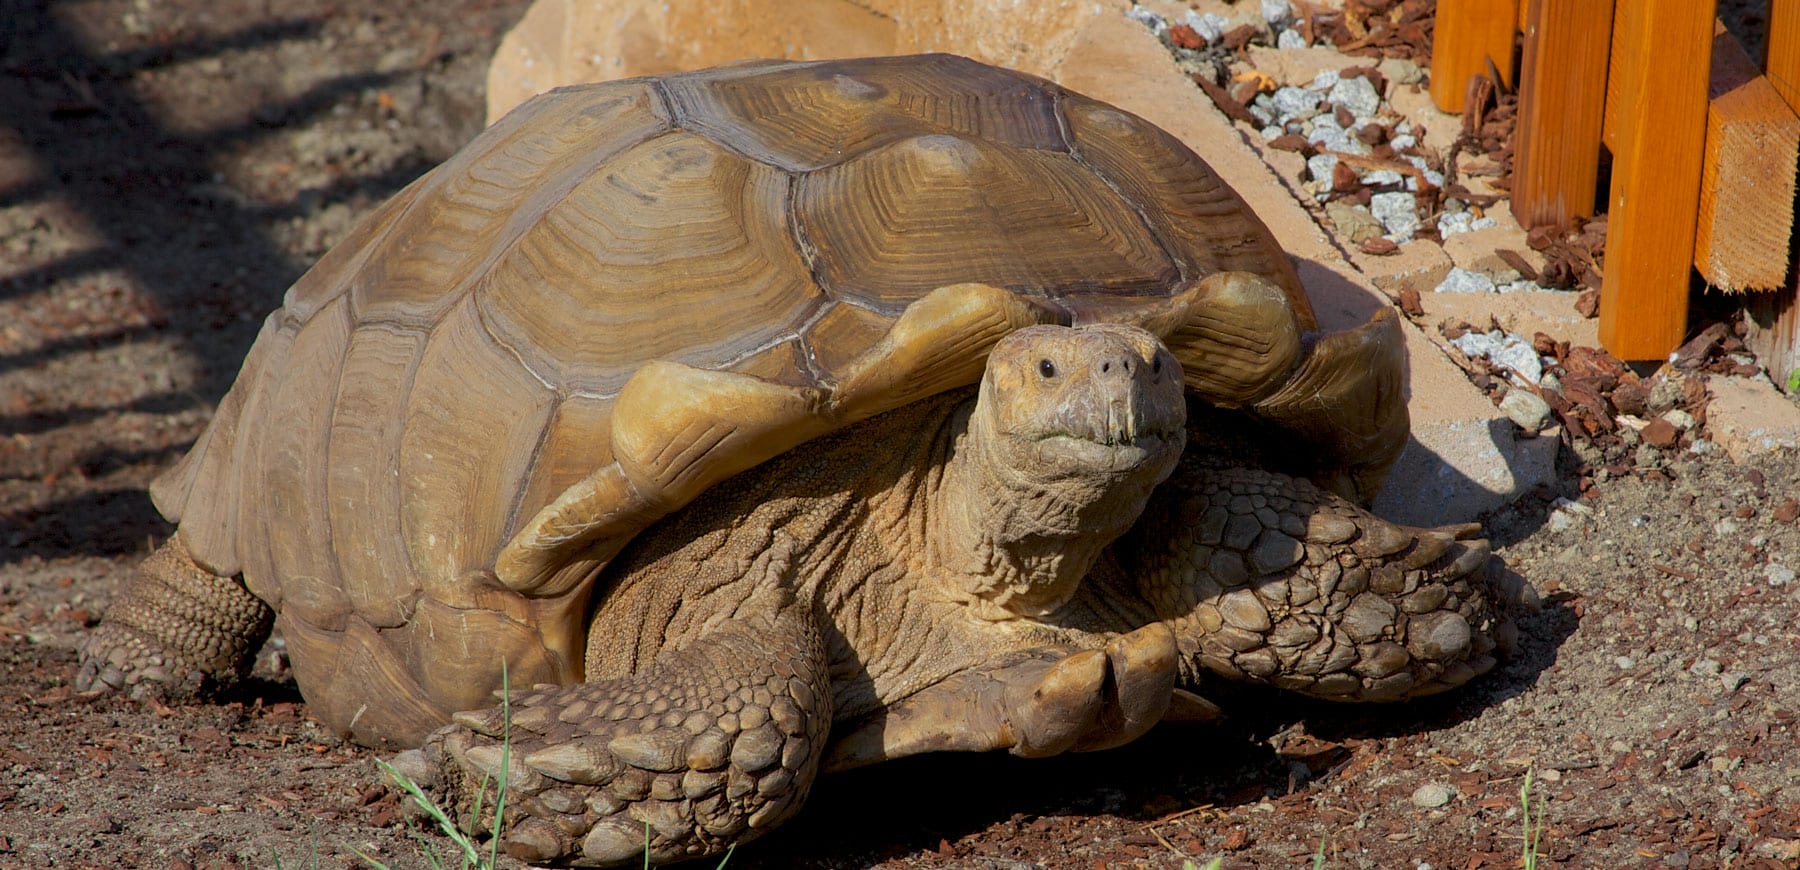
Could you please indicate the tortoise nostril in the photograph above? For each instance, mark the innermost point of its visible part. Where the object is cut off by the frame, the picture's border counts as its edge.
(1106, 367)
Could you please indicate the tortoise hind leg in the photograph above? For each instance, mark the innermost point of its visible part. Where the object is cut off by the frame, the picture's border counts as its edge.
(175, 630)
(709, 747)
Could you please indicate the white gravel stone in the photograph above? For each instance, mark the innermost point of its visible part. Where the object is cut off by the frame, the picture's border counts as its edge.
(1461, 222)
(1291, 102)
(1276, 12)
(1518, 355)
(1380, 176)
(1358, 95)
(1778, 574)
(1397, 213)
(1432, 177)
(1625, 663)
(1273, 131)
(1403, 141)
(1319, 167)
(1461, 280)
(1210, 26)
(1290, 39)
(1327, 135)
(1432, 795)
(1527, 409)
(1324, 80)
(1680, 419)
(1507, 350)
(1149, 19)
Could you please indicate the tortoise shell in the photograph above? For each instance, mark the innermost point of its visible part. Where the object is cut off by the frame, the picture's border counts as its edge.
(451, 368)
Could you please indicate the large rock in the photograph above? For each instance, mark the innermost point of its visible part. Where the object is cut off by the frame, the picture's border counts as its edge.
(1463, 459)
(564, 41)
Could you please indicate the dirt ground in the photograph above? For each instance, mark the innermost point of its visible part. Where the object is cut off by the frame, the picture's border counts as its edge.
(168, 167)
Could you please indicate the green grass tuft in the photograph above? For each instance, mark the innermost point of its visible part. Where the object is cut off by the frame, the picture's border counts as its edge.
(1534, 829)
(471, 854)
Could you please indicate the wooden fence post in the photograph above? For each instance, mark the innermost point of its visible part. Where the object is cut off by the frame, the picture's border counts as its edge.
(1664, 63)
(1562, 105)
(1783, 62)
(1467, 34)
(1747, 183)
(1774, 318)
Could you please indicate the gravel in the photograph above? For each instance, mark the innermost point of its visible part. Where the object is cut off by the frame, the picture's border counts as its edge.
(1432, 795)
(1397, 213)
(1527, 409)
(1356, 94)
(1460, 280)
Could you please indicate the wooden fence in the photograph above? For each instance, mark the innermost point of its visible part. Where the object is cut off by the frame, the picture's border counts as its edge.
(1705, 145)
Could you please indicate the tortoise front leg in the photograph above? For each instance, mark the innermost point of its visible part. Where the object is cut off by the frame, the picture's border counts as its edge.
(1269, 579)
(1041, 702)
(175, 630)
(711, 746)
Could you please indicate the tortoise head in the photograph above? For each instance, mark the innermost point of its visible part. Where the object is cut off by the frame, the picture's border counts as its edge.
(1096, 403)
(1071, 431)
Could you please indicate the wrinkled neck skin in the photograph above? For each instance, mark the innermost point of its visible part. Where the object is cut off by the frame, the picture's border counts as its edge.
(1012, 544)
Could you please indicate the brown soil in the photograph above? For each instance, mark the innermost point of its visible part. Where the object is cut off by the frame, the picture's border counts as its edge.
(168, 167)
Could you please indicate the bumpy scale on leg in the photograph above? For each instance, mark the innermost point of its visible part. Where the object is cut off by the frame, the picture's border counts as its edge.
(175, 630)
(710, 747)
(1266, 578)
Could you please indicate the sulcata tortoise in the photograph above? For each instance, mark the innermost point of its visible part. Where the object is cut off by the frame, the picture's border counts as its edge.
(786, 417)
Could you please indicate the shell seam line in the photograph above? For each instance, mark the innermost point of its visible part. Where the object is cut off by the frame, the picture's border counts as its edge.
(1182, 270)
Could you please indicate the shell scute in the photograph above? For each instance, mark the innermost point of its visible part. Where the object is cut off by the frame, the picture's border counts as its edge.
(938, 209)
(635, 261)
(1203, 221)
(480, 201)
(802, 117)
(472, 419)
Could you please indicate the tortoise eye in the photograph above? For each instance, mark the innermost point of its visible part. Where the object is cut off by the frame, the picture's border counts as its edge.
(1046, 368)
(1156, 365)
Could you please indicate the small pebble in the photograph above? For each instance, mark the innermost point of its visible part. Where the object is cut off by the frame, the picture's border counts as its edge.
(1625, 663)
(1358, 95)
(1210, 26)
(1396, 211)
(1276, 12)
(1778, 574)
(1321, 166)
(1432, 795)
(1461, 280)
(1732, 682)
(1529, 411)
(1291, 102)
(1290, 39)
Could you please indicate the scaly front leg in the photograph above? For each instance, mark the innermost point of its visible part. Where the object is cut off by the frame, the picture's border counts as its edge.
(1269, 579)
(711, 746)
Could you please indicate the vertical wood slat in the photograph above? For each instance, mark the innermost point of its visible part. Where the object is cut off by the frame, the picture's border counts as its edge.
(1562, 107)
(1609, 131)
(1466, 35)
(1747, 180)
(1783, 61)
(1665, 54)
(1774, 332)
